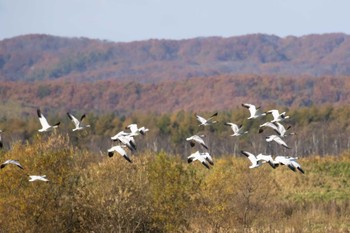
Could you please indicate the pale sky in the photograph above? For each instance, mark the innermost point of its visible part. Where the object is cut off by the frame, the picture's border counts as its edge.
(130, 20)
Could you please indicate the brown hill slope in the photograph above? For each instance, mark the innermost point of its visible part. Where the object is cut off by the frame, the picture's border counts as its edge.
(196, 94)
(43, 57)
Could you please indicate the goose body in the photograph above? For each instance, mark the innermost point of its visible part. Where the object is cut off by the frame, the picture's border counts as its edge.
(256, 161)
(38, 178)
(254, 111)
(277, 116)
(126, 139)
(237, 130)
(291, 162)
(120, 151)
(197, 139)
(204, 121)
(78, 124)
(45, 126)
(277, 139)
(10, 161)
(277, 127)
(200, 157)
(135, 130)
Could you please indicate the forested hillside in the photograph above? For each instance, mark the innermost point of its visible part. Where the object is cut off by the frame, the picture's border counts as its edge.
(217, 93)
(44, 57)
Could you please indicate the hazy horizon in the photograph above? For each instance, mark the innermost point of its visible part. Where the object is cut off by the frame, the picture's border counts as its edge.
(124, 21)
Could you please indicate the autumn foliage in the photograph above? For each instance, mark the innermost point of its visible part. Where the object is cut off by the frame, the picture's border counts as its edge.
(159, 192)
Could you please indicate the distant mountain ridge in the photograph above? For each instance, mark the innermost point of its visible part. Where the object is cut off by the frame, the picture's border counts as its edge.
(44, 57)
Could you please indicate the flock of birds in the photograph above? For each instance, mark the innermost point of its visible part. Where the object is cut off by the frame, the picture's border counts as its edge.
(256, 160)
(127, 140)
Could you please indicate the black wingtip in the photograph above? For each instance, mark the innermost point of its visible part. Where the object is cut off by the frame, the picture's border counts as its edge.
(301, 170)
(261, 130)
(206, 165)
(127, 158)
(82, 117)
(38, 112)
(110, 154)
(292, 168)
(70, 117)
(244, 153)
(133, 145)
(272, 164)
(189, 160)
(210, 161)
(205, 146)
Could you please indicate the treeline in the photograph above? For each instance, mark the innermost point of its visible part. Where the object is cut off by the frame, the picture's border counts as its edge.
(322, 130)
(90, 192)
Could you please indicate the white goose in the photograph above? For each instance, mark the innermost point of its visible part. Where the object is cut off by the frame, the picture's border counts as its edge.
(204, 121)
(197, 139)
(120, 151)
(207, 157)
(254, 111)
(78, 124)
(277, 116)
(126, 139)
(288, 161)
(135, 130)
(258, 160)
(121, 133)
(237, 130)
(38, 178)
(45, 127)
(10, 161)
(277, 127)
(278, 140)
(200, 157)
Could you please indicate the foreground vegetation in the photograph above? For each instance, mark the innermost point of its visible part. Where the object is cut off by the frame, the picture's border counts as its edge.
(159, 192)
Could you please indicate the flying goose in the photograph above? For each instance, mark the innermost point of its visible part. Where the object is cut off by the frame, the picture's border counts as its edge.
(278, 140)
(120, 151)
(204, 121)
(38, 178)
(254, 111)
(10, 161)
(121, 133)
(207, 157)
(277, 127)
(135, 130)
(237, 130)
(288, 161)
(198, 156)
(258, 160)
(197, 139)
(277, 116)
(78, 124)
(125, 139)
(44, 124)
